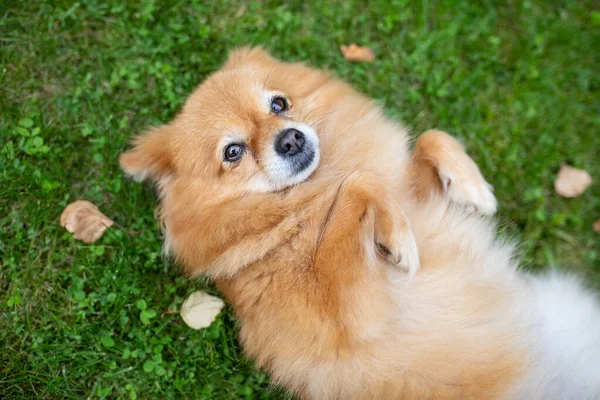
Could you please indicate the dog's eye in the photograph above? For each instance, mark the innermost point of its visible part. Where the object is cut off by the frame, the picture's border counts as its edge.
(233, 152)
(279, 104)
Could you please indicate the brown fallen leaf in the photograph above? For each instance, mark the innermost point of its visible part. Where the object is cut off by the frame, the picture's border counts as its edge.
(200, 309)
(85, 221)
(597, 226)
(241, 11)
(571, 182)
(357, 53)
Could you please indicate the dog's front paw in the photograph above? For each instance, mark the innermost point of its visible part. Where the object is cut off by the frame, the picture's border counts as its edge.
(460, 178)
(400, 249)
(467, 186)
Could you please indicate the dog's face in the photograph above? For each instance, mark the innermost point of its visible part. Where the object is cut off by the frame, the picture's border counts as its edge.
(245, 129)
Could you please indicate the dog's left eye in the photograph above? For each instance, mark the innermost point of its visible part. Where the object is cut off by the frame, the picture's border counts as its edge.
(233, 152)
(279, 104)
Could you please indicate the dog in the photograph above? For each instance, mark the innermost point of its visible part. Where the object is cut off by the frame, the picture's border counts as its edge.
(358, 269)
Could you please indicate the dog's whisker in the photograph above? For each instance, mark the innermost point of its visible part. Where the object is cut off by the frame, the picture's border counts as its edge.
(267, 78)
(302, 111)
(250, 177)
(316, 108)
(313, 98)
(322, 118)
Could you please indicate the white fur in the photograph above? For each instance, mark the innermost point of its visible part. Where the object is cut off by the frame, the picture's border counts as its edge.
(278, 172)
(565, 338)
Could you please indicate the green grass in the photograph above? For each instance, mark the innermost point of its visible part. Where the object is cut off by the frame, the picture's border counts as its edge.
(517, 81)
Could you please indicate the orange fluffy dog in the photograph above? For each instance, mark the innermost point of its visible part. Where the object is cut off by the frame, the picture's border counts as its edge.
(352, 271)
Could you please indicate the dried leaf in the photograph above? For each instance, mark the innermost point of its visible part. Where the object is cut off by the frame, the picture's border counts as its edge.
(571, 182)
(200, 309)
(85, 221)
(241, 11)
(357, 53)
(597, 226)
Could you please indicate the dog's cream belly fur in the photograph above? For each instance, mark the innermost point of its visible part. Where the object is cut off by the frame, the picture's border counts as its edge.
(552, 320)
(475, 313)
(549, 325)
(456, 332)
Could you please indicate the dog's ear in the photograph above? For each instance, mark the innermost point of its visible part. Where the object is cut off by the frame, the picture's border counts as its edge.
(247, 55)
(151, 156)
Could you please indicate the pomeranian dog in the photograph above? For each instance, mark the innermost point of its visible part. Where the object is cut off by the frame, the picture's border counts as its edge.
(357, 269)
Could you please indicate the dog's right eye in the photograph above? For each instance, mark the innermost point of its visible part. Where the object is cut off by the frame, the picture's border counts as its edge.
(233, 152)
(278, 105)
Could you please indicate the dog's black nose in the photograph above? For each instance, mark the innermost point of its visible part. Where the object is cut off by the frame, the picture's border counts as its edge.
(289, 142)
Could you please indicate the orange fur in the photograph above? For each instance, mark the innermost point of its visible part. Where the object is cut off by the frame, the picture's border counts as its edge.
(320, 307)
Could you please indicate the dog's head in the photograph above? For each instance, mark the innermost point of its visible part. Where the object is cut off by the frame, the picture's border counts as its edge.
(246, 128)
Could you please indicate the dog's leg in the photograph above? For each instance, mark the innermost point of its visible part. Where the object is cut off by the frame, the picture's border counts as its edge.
(362, 201)
(440, 166)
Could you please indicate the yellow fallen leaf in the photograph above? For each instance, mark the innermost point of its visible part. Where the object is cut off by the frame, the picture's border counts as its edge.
(357, 53)
(597, 226)
(84, 221)
(571, 182)
(200, 309)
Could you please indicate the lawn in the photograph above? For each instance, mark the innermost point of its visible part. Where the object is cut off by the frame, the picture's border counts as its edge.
(517, 81)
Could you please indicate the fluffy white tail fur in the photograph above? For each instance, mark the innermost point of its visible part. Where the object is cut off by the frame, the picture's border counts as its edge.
(566, 338)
